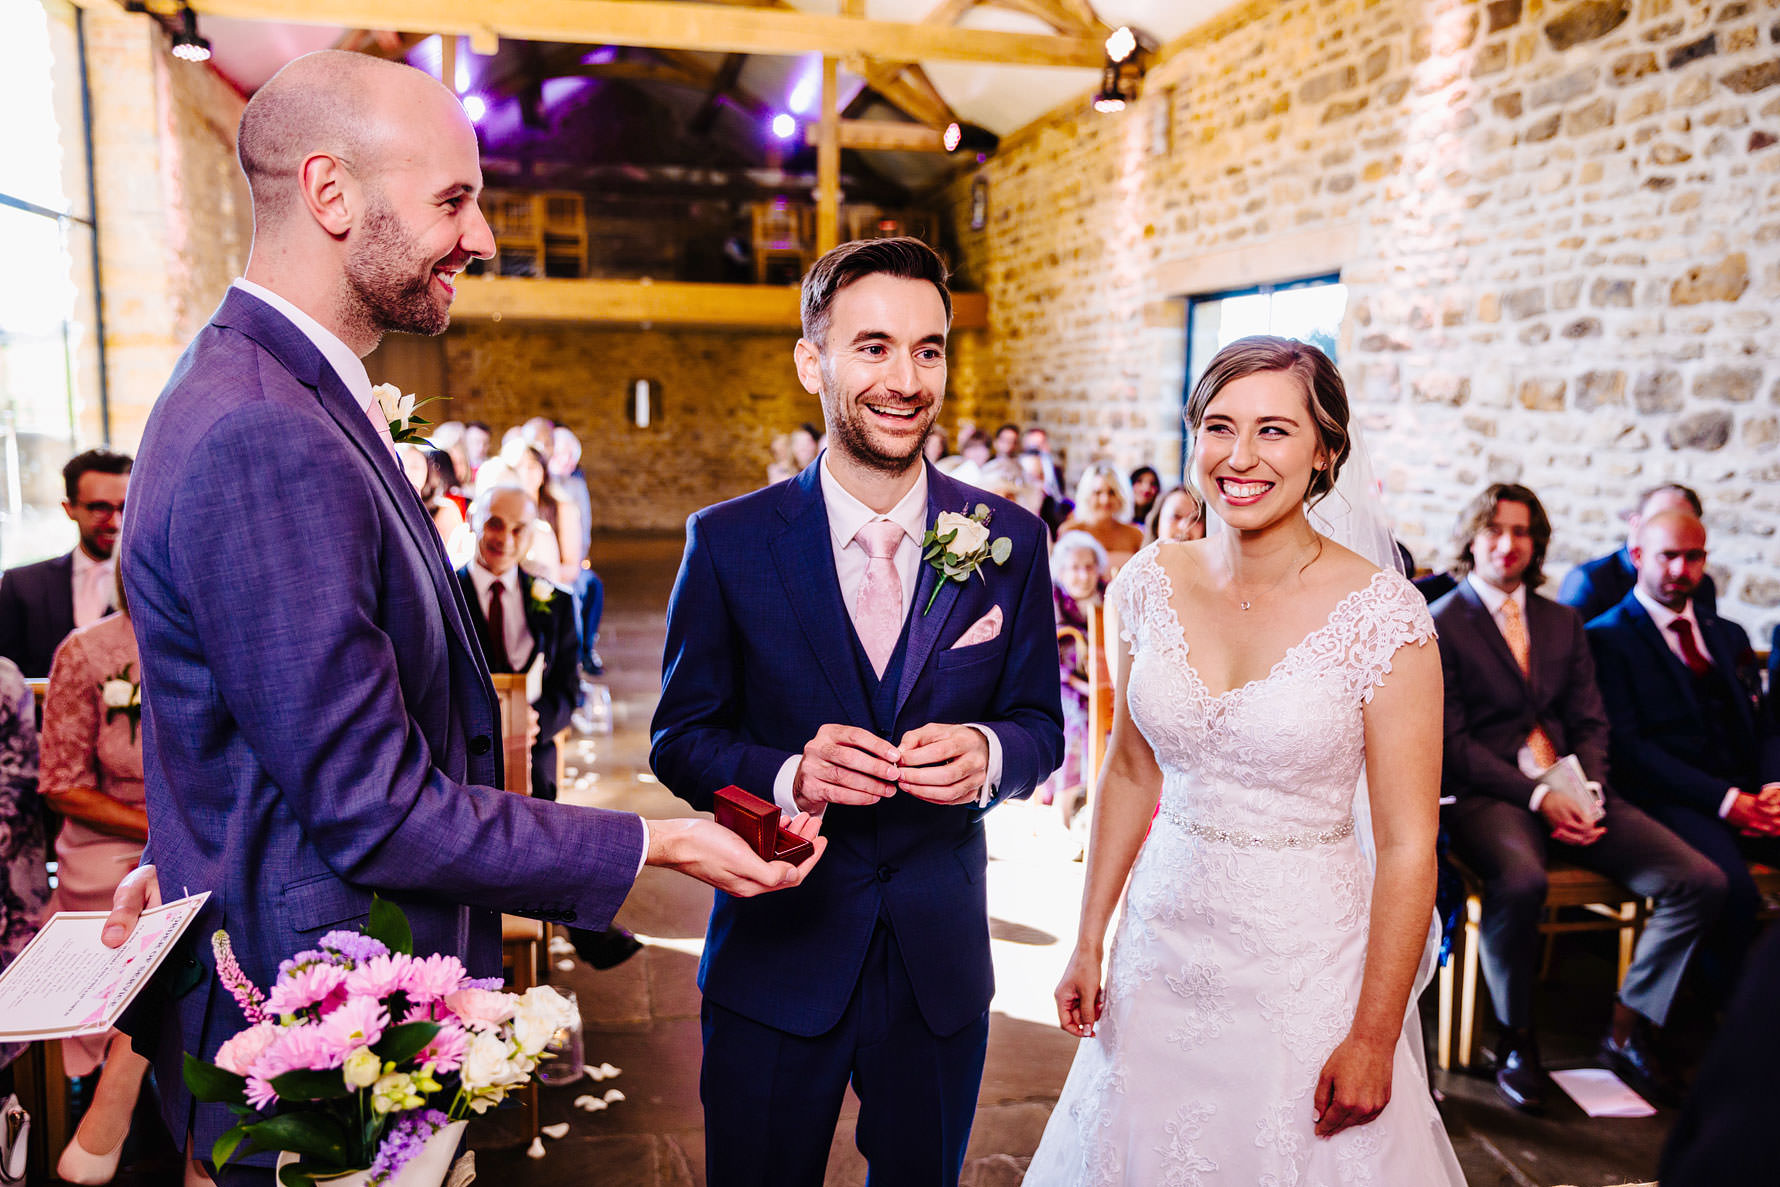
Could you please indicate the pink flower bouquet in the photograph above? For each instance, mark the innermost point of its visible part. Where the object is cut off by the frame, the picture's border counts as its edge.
(360, 1051)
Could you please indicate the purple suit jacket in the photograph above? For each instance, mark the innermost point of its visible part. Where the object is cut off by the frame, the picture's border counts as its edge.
(318, 724)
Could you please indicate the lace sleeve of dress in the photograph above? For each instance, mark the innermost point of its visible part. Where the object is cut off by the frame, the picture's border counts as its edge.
(1125, 596)
(71, 720)
(1392, 615)
(18, 767)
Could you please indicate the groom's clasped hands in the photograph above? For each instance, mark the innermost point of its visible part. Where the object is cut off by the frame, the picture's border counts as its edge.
(844, 764)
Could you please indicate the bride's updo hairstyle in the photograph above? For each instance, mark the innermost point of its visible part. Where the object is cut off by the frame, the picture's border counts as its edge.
(1324, 394)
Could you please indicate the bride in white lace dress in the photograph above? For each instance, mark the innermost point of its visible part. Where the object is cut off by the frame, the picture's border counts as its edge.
(1251, 1031)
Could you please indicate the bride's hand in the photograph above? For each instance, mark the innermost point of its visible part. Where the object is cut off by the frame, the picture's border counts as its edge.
(1079, 996)
(1354, 1087)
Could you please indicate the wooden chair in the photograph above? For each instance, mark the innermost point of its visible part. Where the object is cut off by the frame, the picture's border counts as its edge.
(1612, 907)
(524, 942)
(784, 240)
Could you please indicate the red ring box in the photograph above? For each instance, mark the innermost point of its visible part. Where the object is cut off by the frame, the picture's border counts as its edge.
(758, 823)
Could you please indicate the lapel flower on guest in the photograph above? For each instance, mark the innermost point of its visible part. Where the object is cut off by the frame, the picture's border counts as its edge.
(399, 411)
(957, 545)
(121, 694)
(539, 593)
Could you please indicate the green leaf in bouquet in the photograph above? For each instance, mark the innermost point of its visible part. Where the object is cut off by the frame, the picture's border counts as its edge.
(1001, 550)
(227, 1143)
(311, 1085)
(401, 1043)
(388, 924)
(311, 1136)
(211, 1084)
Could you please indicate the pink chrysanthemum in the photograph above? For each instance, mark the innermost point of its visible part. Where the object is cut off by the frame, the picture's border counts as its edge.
(435, 976)
(295, 1048)
(381, 976)
(358, 1022)
(446, 1051)
(481, 1009)
(239, 1053)
(302, 988)
(260, 1094)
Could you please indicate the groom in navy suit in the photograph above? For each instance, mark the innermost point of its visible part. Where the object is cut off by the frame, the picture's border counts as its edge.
(816, 659)
(318, 724)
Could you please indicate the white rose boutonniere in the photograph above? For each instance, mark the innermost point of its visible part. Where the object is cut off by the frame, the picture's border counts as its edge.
(541, 591)
(957, 545)
(119, 693)
(399, 411)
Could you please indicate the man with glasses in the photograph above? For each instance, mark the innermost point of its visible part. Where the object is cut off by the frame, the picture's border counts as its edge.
(41, 603)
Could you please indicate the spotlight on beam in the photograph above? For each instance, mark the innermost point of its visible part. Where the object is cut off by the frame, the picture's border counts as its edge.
(1121, 43)
(475, 106)
(970, 138)
(784, 127)
(188, 46)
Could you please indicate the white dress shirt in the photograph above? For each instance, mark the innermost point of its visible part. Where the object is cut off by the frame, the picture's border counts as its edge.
(518, 641)
(346, 364)
(1663, 617)
(846, 515)
(94, 586)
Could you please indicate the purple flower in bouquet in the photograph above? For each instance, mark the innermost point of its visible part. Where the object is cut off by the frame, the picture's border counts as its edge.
(304, 987)
(353, 947)
(228, 971)
(356, 1022)
(403, 1140)
(290, 966)
(381, 976)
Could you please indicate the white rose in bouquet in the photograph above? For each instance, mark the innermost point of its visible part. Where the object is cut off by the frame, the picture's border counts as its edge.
(540, 1014)
(971, 534)
(490, 1062)
(117, 694)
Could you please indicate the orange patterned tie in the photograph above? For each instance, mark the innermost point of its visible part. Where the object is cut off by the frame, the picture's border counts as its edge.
(1514, 631)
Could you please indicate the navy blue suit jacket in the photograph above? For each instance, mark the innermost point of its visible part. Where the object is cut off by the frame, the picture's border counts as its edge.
(317, 720)
(1660, 740)
(1595, 587)
(553, 636)
(760, 655)
(36, 613)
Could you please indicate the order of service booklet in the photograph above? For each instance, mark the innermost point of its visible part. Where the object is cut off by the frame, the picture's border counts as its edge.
(66, 982)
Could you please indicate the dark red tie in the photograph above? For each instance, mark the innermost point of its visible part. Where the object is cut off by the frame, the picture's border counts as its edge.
(1697, 663)
(498, 660)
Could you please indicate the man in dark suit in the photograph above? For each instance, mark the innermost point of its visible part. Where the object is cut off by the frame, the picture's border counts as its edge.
(42, 602)
(535, 619)
(318, 725)
(1520, 693)
(816, 659)
(1689, 739)
(1595, 587)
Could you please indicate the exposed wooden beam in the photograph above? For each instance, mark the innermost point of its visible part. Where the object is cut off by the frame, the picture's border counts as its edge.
(948, 11)
(898, 86)
(722, 84)
(884, 135)
(828, 160)
(671, 303)
(663, 23)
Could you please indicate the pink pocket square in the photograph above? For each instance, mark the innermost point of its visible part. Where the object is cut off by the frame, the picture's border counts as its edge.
(981, 631)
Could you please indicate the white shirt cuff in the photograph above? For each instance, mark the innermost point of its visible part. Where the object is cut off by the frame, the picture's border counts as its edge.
(783, 782)
(643, 859)
(1730, 797)
(1539, 794)
(992, 774)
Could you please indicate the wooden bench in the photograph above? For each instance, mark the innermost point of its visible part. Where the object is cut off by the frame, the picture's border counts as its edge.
(1570, 888)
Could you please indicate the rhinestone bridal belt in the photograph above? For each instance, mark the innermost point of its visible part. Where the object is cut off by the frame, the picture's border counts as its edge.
(1248, 840)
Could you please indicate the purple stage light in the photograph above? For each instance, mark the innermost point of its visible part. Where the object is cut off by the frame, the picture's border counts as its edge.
(475, 106)
(784, 127)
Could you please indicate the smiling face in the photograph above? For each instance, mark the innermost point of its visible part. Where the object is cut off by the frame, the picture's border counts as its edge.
(502, 534)
(881, 370)
(1256, 449)
(1078, 574)
(1180, 518)
(1503, 547)
(98, 511)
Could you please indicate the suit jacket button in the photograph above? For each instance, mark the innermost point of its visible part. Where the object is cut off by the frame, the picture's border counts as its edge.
(885, 872)
(481, 744)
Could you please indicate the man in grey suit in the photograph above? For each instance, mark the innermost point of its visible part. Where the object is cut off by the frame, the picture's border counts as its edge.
(1520, 693)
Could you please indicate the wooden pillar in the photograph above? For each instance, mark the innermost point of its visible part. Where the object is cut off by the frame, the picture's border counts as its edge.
(448, 60)
(828, 161)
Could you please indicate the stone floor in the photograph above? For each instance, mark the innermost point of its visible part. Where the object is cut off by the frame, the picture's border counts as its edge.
(642, 1017)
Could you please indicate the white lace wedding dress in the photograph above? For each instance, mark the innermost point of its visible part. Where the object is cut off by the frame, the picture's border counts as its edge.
(1235, 967)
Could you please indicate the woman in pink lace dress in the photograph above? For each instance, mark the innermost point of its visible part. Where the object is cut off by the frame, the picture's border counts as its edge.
(92, 775)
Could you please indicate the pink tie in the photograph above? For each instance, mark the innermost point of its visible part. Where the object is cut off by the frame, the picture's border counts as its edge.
(878, 617)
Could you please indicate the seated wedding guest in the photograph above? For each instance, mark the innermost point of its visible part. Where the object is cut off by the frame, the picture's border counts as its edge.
(521, 619)
(778, 466)
(1003, 476)
(476, 440)
(1689, 742)
(1177, 515)
(1054, 509)
(804, 447)
(538, 432)
(428, 471)
(1103, 510)
(1520, 695)
(934, 448)
(589, 591)
(1078, 577)
(1435, 586)
(92, 777)
(1595, 587)
(24, 876)
(1007, 441)
(1146, 484)
(40, 603)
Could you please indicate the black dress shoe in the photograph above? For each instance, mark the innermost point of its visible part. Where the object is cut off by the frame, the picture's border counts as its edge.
(1520, 1077)
(604, 949)
(1638, 1062)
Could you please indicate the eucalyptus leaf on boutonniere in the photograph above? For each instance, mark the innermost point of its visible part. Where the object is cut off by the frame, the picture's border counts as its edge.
(121, 694)
(399, 410)
(539, 593)
(957, 545)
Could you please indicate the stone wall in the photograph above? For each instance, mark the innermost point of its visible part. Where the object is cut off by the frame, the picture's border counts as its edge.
(174, 221)
(1558, 225)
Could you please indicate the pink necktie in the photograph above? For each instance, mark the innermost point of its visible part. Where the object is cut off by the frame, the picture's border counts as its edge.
(878, 616)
